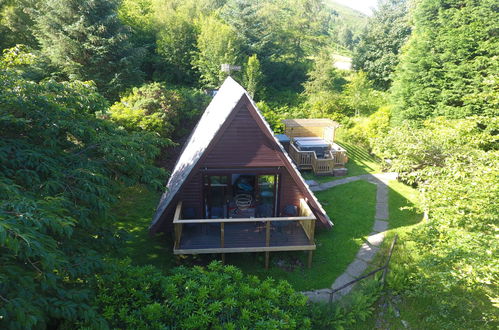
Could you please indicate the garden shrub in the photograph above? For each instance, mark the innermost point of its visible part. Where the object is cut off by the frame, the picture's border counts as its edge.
(365, 129)
(156, 108)
(197, 298)
(346, 312)
(60, 171)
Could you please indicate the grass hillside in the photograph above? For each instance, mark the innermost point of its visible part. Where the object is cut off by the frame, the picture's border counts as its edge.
(351, 17)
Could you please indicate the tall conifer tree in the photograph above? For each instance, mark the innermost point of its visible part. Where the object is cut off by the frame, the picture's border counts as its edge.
(87, 41)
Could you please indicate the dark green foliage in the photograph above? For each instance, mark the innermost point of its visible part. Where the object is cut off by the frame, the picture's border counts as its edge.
(156, 108)
(59, 170)
(253, 76)
(380, 43)
(216, 44)
(87, 41)
(324, 76)
(176, 44)
(449, 67)
(138, 16)
(16, 23)
(252, 28)
(357, 307)
(196, 298)
(281, 34)
(285, 75)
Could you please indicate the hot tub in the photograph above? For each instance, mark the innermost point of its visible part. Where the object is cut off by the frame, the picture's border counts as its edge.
(318, 145)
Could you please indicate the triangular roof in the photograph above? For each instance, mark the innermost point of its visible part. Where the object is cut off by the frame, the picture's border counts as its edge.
(210, 124)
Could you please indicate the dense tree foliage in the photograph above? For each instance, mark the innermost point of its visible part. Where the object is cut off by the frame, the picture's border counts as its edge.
(447, 71)
(87, 41)
(377, 52)
(59, 170)
(253, 76)
(176, 42)
(443, 140)
(155, 108)
(16, 22)
(216, 44)
(448, 67)
(65, 152)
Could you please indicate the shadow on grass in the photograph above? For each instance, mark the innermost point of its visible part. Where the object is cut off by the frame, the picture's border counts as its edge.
(133, 214)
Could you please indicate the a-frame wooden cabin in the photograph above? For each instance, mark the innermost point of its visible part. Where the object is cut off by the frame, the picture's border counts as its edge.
(234, 187)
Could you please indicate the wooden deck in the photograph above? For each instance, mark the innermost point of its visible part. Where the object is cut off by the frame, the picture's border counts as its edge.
(247, 236)
(201, 236)
(306, 160)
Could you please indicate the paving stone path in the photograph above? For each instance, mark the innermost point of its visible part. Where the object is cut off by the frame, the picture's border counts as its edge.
(367, 250)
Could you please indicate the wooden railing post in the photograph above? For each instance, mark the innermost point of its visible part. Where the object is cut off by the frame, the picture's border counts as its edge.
(311, 241)
(178, 226)
(222, 240)
(267, 244)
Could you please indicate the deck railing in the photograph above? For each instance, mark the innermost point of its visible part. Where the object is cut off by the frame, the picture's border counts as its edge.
(305, 219)
(337, 156)
(302, 158)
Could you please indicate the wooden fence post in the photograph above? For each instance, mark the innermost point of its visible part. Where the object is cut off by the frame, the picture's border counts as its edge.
(383, 278)
(267, 244)
(222, 240)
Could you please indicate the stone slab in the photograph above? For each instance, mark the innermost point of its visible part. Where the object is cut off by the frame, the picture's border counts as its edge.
(382, 194)
(340, 171)
(380, 225)
(317, 296)
(356, 268)
(311, 183)
(367, 252)
(342, 280)
(375, 239)
(382, 211)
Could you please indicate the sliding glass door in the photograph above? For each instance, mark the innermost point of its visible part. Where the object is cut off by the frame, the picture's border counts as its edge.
(216, 196)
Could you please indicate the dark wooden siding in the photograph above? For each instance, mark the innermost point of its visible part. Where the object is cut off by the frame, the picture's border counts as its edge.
(243, 144)
(290, 193)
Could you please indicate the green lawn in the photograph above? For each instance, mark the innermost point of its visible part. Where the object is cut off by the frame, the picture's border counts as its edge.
(351, 208)
(133, 214)
(360, 162)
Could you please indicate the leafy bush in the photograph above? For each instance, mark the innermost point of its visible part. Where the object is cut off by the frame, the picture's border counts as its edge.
(193, 298)
(59, 170)
(156, 108)
(365, 130)
(275, 115)
(356, 307)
